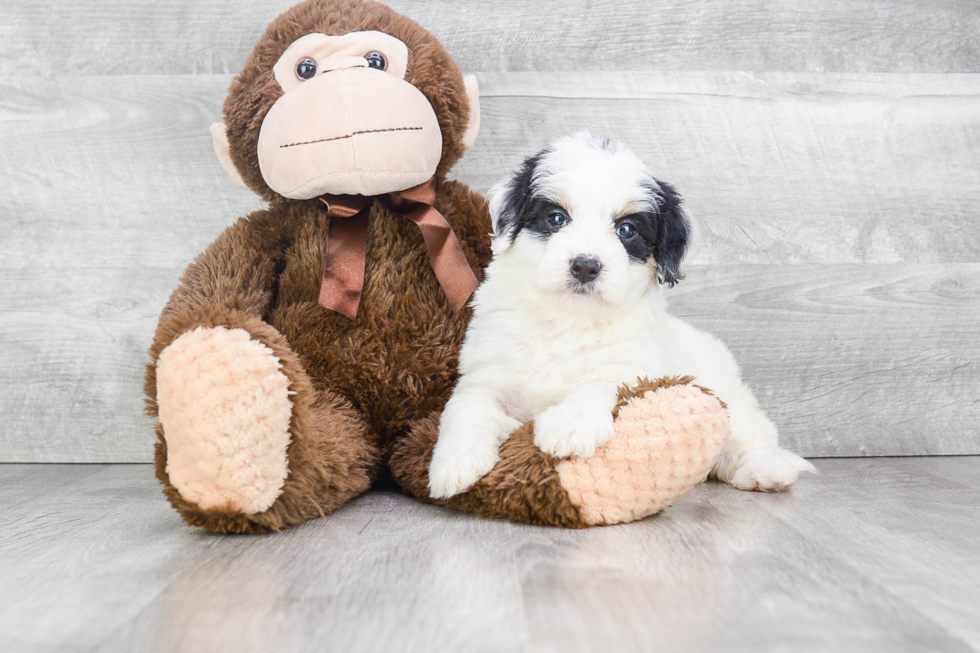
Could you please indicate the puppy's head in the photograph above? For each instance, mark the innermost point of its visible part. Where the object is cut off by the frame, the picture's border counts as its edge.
(584, 219)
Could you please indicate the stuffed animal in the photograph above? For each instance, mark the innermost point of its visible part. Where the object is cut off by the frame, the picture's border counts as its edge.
(312, 345)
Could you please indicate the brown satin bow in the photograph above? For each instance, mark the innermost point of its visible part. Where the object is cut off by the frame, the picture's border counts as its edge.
(343, 271)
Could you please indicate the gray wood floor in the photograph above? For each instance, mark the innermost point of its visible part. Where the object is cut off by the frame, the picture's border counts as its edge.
(872, 555)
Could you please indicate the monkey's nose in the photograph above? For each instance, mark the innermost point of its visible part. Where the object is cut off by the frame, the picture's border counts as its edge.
(585, 268)
(341, 62)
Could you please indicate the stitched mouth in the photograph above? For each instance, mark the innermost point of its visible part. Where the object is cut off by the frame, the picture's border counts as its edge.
(352, 135)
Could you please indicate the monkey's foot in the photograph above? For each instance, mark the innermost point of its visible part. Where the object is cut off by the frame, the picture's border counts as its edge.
(225, 410)
(667, 436)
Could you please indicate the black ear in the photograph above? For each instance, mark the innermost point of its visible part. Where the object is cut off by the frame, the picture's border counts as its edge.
(509, 199)
(673, 234)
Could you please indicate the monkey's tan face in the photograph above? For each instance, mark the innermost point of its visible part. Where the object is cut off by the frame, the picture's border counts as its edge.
(329, 133)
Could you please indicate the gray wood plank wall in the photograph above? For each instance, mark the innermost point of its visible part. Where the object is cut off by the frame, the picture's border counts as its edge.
(830, 153)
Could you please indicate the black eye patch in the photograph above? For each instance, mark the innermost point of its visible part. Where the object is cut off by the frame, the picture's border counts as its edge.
(537, 220)
(642, 246)
(521, 210)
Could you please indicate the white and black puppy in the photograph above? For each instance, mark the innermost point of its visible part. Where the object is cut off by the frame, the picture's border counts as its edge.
(572, 306)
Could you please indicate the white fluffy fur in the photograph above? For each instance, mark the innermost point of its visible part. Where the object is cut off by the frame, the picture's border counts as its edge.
(537, 349)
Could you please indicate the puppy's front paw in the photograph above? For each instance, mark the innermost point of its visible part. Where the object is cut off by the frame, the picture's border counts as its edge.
(455, 470)
(570, 430)
(768, 470)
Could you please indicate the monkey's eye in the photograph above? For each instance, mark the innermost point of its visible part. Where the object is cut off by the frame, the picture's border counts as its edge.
(557, 220)
(376, 60)
(306, 68)
(626, 231)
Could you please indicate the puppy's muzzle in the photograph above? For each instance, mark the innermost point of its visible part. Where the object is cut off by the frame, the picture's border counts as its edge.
(585, 268)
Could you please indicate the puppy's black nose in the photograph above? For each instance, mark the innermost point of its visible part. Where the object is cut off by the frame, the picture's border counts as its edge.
(585, 268)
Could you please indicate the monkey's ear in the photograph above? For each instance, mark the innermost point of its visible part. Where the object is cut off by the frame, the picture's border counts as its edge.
(473, 95)
(221, 148)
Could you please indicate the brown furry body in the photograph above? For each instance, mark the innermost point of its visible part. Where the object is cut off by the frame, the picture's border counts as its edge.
(359, 383)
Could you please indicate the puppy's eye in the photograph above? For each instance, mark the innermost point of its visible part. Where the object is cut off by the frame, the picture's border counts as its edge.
(557, 220)
(376, 60)
(306, 68)
(626, 231)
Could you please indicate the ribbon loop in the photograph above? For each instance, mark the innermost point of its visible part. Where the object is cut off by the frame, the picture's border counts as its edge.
(343, 271)
(345, 206)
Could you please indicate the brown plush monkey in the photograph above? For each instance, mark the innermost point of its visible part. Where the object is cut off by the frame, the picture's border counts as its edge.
(313, 343)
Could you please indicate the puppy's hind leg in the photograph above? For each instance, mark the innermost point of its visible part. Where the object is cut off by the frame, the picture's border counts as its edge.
(752, 458)
(471, 430)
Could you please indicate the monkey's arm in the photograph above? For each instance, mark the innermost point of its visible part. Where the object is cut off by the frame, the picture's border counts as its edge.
(231, 284)
(237, 272)
(468, 213)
